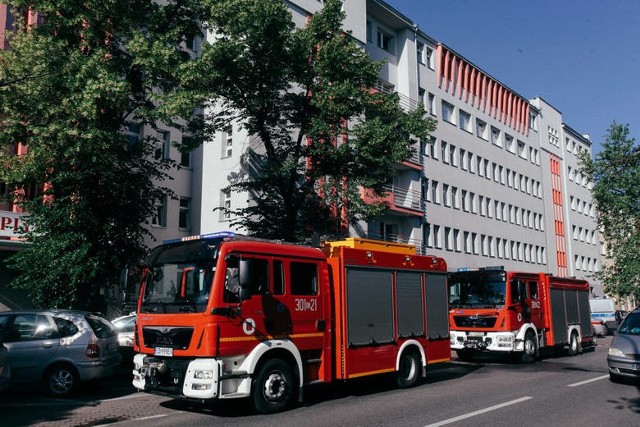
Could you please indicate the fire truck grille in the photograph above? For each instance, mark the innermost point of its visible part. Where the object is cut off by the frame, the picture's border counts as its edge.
(475, 321)
(161, 336)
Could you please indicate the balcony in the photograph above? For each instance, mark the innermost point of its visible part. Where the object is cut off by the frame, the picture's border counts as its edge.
(401, 201)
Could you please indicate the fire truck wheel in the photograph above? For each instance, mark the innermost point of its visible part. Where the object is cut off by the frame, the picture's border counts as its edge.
(409, 370)
(273, 387)
(574, 345)
(530, 348)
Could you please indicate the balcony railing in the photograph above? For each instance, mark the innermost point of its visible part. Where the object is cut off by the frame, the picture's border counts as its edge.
(405, 198)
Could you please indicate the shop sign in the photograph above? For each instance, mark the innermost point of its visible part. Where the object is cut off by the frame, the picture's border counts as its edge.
(10, 222)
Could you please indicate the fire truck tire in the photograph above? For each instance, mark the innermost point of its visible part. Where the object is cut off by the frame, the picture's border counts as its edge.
(574, 345)
(273, 387)
(465, 355)
(530, 348)
(408, 369)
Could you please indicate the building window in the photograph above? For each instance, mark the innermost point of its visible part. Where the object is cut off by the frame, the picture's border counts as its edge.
(227, 141)
(431, 104)
(452, 155)
(430, 58)
(134, 134)
(522, 150)
(369, 32)
(481, 129)
(465, 121)
(495, 137)
(385, 41)
(185, 213)
(444, 152)
(420, 52)
(435, 193)
(163, 145)
(509, 143)
(446, 195)
(159, 218)
(447, 112)
(225, 205)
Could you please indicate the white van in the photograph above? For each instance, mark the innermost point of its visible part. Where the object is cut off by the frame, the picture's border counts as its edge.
(604, 309)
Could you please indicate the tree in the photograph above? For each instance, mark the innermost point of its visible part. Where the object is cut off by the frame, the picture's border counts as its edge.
(615, 172)
(320, 133)
(75, 84)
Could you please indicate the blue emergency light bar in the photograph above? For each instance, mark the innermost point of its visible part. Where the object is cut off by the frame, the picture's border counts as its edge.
(207, 236)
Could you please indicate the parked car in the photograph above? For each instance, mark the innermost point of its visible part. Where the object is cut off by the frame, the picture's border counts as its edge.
(59, 348)
(5, 369)
(624, 357)
(125, 326)
(599, 327)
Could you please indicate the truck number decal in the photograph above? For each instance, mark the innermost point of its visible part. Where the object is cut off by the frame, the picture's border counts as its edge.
(306, 304)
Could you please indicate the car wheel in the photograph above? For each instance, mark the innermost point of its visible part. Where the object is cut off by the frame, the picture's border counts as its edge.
(409, 370)
(61, 380)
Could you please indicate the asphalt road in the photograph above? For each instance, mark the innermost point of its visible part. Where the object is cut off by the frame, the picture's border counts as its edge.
(556, 391)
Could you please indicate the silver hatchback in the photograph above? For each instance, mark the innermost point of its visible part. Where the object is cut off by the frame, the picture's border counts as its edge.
(58, 348)
(624, 352)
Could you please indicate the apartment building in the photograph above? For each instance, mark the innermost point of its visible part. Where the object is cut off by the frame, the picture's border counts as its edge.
(498, 183)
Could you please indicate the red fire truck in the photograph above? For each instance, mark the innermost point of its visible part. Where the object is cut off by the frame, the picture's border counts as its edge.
(223, 316)
(519, 313)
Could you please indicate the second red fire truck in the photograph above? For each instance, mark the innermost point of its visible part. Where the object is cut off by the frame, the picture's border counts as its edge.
(517, 313)
(222, 316)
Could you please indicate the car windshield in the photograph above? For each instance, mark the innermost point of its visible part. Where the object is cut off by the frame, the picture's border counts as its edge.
(476, 291)
(630, 325)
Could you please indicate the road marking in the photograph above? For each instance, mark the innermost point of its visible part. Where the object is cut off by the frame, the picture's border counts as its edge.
(589, 381)
(151, 417)
(479, 412)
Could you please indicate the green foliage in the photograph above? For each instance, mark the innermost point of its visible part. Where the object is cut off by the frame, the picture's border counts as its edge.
(615, 172)
(319, 133)
(71, 87)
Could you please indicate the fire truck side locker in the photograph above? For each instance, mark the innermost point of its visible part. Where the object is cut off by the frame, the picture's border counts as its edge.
(390, 309)
(569, 309)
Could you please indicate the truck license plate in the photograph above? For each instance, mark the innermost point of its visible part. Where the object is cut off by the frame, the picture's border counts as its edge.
(163, 351)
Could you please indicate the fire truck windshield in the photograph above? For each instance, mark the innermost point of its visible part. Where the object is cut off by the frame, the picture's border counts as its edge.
(178, 277)
(476, 291)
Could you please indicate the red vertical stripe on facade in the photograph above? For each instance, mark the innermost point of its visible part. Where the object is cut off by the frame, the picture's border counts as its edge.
(459, 78)
(439, 64)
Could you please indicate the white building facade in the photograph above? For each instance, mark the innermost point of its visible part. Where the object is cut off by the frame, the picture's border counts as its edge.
(497, 184)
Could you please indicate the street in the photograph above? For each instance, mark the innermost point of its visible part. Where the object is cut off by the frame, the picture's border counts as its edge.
(556, 391)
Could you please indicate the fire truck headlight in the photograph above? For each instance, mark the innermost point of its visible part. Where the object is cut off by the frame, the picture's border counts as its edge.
(203, 374)
(616, 352)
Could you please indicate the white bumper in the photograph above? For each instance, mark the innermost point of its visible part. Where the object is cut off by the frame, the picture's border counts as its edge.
(485, 341)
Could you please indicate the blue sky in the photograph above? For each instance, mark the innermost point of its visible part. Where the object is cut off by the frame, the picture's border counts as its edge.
(581, 56)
